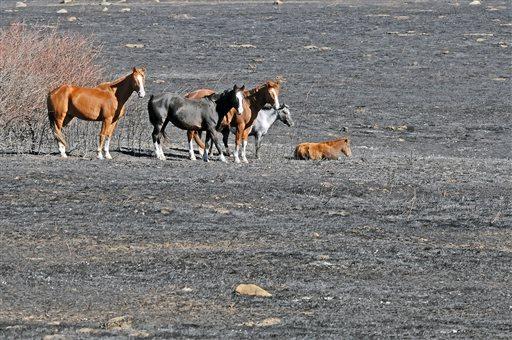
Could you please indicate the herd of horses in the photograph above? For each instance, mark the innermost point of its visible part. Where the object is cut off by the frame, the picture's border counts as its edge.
(238, 110)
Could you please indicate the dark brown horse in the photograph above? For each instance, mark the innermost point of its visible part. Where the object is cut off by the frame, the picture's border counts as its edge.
(254, 101)
(105, 103)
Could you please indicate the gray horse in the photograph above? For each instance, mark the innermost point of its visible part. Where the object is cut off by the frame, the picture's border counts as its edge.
(266, 118)
(186, 114)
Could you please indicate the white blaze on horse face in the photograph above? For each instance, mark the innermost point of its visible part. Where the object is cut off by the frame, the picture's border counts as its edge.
(276, 99)
(140, 82)
(240, 97)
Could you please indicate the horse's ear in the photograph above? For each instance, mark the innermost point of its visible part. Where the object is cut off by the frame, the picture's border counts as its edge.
(242, 88)
(134, 69)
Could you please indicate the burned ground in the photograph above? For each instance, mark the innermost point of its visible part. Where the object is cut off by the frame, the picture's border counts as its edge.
(409, 237)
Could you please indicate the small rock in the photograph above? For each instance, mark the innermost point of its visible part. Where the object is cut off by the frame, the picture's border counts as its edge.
(66, 1)
(87, 330)
(62, 11)
(278, 2)
(475, 3)
(123, 322)
(54, 323)
(104, 9)
(71, 19)
(187, 289)
(480, 39)
(503, 44)
(105, 3)
(134, 45)
(159, 81)
(341, 213)
(252, 290)
(323, 257)
(316, 235)
(140, 334)
(20, 4)
(126, 9)
(242, 46)
(269, 322)
(321, 264)
(56, 337)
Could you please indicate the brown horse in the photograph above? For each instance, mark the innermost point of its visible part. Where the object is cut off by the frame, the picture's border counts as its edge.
(104, 103)
(254, 101)
(324, 150)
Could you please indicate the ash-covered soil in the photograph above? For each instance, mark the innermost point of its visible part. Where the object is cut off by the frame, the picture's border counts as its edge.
(411, 237)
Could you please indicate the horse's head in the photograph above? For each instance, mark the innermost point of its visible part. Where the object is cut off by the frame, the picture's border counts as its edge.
(345, 147)
(226, 101)
(272, 93)
(138, 78)
(235, 98)
(284, 115)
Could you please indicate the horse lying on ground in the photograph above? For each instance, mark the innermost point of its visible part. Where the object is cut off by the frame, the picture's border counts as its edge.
(254, 100)
(104, 103)
(192, 115)
(324, 150)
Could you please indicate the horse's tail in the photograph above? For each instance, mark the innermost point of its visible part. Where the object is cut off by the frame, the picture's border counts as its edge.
(156, 120)
(51, 116)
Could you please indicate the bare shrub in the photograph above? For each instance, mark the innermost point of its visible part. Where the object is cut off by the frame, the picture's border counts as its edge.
(34, 61)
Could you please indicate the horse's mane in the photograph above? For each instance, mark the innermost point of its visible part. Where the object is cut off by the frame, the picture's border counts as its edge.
(254, 90)
(116, 81)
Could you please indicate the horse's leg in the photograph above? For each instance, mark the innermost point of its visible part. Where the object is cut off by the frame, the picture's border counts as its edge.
(212, 133)
(156, 141)
(238, 141)
(190, 135)
(206, 141)
(198, 138)
(257, 143)
(58, 120)
(106, 147)
(225, 139)
(245, 136)
(105, 128)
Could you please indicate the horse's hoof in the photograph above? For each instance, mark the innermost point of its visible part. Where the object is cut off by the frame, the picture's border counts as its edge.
(245, 160)
(99, 156)
(107, 156)
(63, 155)
(237, 160)
(192, 158)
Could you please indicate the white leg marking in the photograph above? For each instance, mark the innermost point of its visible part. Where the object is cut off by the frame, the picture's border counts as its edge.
(240, 97)
(222, 158)
(106, 148)
(191, 150)
(244, 158)
(201, 151)
(159, 152)
(62, 150)
(237, 148)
